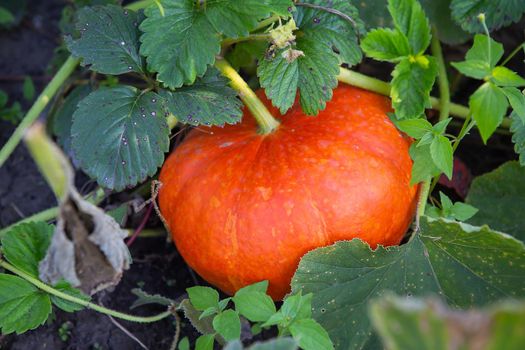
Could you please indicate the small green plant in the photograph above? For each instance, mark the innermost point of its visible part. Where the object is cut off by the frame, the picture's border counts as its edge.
(64, 332)
(294, 318)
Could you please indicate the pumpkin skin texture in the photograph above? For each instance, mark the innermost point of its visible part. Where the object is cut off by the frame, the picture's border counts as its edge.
(244, 207)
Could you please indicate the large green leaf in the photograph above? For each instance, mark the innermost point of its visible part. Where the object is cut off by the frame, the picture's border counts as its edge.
(500, 198)
(182, 40)
(488, 106)
(498, 13)
(517, 128)
(26, 244)
(386, 45)
(440, 15)
(415, 324)
(120, 135)
(463, 264)
(314, 68)
(22, 305)
(210, 101)
(411, 85)
(109, 40)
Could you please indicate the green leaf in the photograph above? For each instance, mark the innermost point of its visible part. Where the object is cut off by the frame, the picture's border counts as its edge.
(22, 306)
(210, 101)
(411, 85)
(517, 128)
(182, 42)
(410, 19)
(228, 324)
(516, 100)
(65, 305)
(476, 69)
(204, 342)
(298, 306)
(245, 53)
(488, 106)
(310, 335)
(276, 319)
(203, 326)
(314, 74)
(184, 344)
(415, 128)
(208, 312)
(3, 99)
(125, 140)
(441, 126)
(254, 305)
(500, 198)
(442, 154)
(454, 211)
(423, 167)
(109, 40)
(314, 71)
(255, 287)
(503, 76)
(386, 44)
(331, 29)
(480, 50)
(63, 118)
(6, 17)
(498, 13)
(203, 297)
(224, 303)
(28, 89)
(144, 298)
(26, 244)
(462, 264)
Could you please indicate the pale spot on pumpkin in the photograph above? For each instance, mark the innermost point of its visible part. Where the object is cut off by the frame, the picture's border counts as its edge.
(265, 192)
(215, 202)
(288, 206)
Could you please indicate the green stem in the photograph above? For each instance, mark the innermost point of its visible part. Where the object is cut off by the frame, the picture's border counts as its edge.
(230, 41)
(424, 190)
(381, 87)
(267, 123)
(49, 158)
(444, 90)
(51, 89)
(513, 53)
(65, 71)
(48, 289)
(266, 22)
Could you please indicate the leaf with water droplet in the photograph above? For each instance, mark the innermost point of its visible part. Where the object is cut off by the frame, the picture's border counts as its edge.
(463, 264)
(108, 41)
(182, 42)
(106, 127)
(210, 101)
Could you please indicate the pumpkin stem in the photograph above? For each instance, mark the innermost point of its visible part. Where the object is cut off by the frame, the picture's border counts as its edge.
(267, 123)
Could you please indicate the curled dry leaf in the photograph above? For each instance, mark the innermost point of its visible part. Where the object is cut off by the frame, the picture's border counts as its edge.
(87, 248)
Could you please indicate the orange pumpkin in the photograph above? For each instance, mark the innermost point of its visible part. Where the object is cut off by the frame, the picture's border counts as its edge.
(244, 207)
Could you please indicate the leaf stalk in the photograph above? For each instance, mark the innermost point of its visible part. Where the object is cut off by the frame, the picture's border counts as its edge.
(50, 290)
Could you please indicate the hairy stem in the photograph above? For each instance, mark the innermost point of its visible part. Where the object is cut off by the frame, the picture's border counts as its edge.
(424, 191)
(48, 289)
(261, 37)
(40, 104)
(381, 87)
(267, 123)
(444, 90)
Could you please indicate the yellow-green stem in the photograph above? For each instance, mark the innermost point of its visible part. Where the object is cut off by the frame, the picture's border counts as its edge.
(49, 159)
(444, 91)
(424, 190)
(261, 37)
(48, 289)
(381, 87)
(267, 123)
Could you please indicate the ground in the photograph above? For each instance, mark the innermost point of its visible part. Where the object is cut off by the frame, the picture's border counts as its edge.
(27, 50)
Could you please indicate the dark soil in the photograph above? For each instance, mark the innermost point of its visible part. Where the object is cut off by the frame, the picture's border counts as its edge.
(157, 267)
